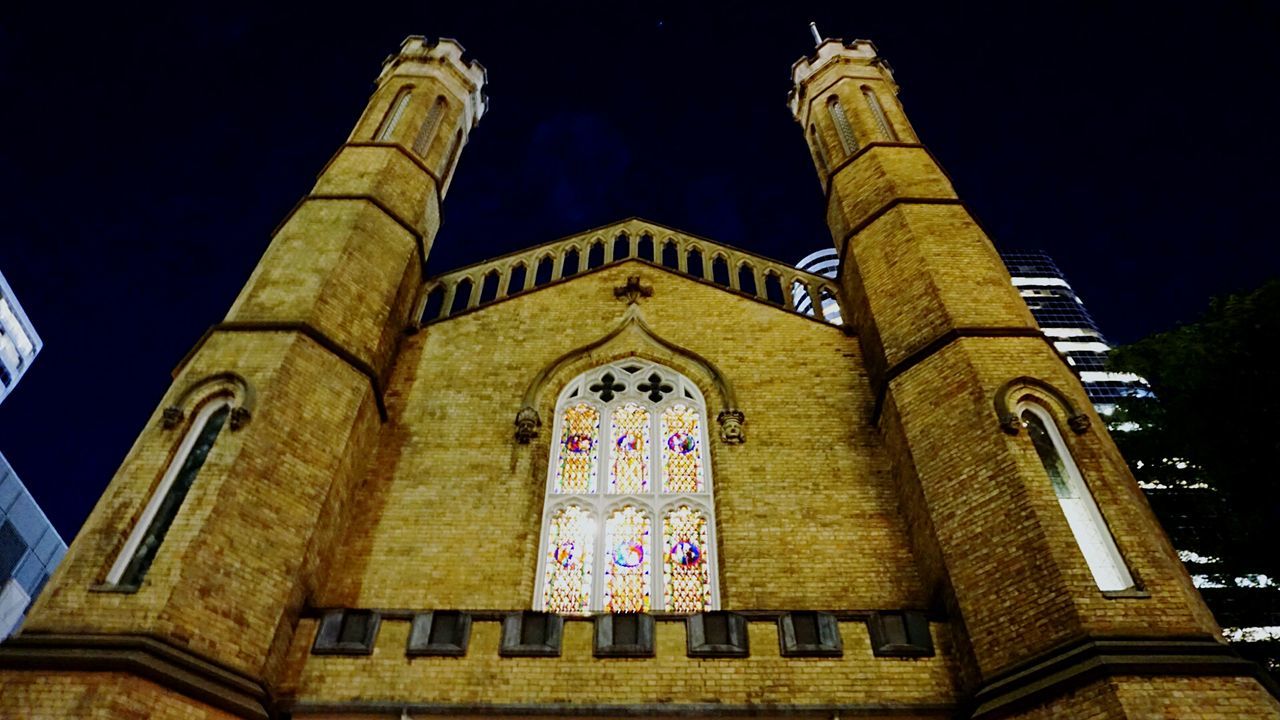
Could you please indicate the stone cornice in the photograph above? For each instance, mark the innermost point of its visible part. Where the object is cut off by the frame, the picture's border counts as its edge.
(148, 657)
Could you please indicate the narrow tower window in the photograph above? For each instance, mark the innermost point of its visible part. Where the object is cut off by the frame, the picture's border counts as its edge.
(877, 112)
(453, 160)
(145, 540)
(836, 110)
(427, 133)
(1086, 522)
(392, 119)
(628, 524)
(819, 151)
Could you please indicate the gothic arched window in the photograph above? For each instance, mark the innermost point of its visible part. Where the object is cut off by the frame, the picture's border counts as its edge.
(394, 112)
(843, 130)
(1086, 522)
(427, 131)
(629, 522)
(140, 549)
(877, 112)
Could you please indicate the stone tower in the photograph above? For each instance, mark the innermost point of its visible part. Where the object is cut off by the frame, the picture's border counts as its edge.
(955, 359)
(299, 366)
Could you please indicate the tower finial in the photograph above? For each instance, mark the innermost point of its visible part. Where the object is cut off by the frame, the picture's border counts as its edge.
(817, 36)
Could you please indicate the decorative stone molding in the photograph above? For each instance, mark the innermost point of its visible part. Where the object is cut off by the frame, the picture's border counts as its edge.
(633, 291)
(527, 424)
(731, 426)
(172, 417)
(517, 273)
(1011, 424)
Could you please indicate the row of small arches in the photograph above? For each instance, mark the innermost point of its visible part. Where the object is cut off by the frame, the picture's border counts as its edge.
(451, 296)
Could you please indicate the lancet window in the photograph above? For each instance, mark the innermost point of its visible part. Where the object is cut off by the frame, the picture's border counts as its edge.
(628, 524)
(843, 130)
(144, 542)
(877, 112)
(1077, 503)
(394, 113)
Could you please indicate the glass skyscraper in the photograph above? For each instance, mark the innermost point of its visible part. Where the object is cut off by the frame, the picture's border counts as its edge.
(18, 340)
(1064, 320)
(29, 550)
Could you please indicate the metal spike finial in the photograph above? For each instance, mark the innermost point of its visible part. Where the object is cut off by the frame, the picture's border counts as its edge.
(817, 36)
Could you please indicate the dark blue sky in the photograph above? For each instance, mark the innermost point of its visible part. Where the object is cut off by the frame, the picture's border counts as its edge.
(148, 155)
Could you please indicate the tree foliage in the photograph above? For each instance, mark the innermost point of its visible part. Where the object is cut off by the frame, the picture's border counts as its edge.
(1217, 415)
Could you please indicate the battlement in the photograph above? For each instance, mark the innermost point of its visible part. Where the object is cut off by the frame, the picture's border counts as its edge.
(861, 52)
(417, 55)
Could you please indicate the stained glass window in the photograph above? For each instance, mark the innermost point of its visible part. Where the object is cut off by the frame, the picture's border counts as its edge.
(626, 574)
(681, 450)
(629, 469)
(570, 540)
(579, 450)
(687, 583)
(635, 429)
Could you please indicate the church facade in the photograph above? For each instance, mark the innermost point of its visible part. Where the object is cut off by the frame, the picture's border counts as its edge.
(624, 473)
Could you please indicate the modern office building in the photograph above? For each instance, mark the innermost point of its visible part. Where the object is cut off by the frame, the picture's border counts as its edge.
(825, 263)
(29, 550)
(19, 343)
(1064, 320)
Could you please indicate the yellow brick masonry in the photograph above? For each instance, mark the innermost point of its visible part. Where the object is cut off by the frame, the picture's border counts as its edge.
(939, 320)
(243, 555)
(449, 513)
(763, 679)
(1200, 698)
(227, 581)
(95, 695)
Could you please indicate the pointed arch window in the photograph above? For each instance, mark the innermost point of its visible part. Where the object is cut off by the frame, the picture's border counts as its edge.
(144, 541)
(392, 118)
(1085, 520)
(628, 524)
(427, 132)
(820, 152)
(843, 130)
(877, 112)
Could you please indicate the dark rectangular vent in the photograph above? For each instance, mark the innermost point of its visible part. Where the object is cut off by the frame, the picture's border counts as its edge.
(900, 634)
(624, 635)
(809, 634)
(716, 634)
(346, 632)
(441, 632)
(531, 634)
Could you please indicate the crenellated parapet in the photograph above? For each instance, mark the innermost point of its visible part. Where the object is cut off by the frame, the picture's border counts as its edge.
(420, 56)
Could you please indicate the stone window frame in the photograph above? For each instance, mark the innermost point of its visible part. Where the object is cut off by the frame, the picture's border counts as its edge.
(655, 503)
(1076, 480)
(150, 511)
(385, 131)
(419, 643)
(329, 633)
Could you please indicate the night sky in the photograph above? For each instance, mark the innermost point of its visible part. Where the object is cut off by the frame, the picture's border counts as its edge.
(147, 156)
